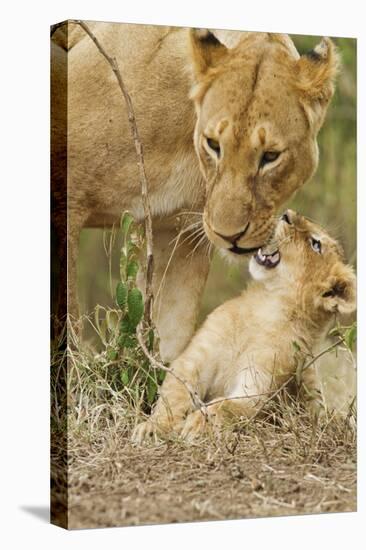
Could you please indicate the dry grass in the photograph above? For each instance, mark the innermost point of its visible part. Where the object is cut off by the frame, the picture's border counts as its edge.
(281, 464)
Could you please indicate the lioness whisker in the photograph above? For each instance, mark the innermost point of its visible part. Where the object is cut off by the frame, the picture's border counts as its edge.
(190, 238)
(164, 276)
(185, 230)
(193, 235)
(208, 249)
(200, 242)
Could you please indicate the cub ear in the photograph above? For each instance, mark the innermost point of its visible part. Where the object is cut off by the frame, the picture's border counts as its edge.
(206, 50)
(315, 74)
(339, 294)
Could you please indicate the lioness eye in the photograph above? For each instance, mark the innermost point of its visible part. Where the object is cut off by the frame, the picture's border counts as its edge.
(269, 156)
(214, 145)
(316, 245)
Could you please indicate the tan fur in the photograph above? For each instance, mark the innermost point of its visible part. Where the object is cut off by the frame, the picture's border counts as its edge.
(245, 349)
(183, 86)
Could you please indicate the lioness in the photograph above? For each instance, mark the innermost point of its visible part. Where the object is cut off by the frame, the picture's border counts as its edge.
(228, 131)
(245, 349)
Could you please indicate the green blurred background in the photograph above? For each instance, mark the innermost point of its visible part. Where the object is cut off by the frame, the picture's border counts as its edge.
(329, 198)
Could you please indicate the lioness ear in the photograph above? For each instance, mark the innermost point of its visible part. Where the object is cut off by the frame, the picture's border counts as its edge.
(206, 50)
(315, 75)
(340, 292)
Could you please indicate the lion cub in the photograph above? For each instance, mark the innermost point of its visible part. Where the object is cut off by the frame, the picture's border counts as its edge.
(245, 349)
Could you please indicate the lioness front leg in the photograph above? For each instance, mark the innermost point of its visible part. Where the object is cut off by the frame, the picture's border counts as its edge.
(76, 222)
(65, 305)
(180, 274)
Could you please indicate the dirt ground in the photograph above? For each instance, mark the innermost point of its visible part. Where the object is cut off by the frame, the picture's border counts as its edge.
(271, 469)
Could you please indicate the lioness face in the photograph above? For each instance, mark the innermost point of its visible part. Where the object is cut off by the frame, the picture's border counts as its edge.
(302, 256)
(255, 134)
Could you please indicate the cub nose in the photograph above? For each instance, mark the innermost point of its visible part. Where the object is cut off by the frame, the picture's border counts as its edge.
(233, 238)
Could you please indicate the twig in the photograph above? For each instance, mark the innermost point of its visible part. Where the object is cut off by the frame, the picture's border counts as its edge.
(158, 365)
(142, 173)
(273, 501)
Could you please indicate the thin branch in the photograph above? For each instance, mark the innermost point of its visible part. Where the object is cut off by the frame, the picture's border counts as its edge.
(142, 173)
(196, 400)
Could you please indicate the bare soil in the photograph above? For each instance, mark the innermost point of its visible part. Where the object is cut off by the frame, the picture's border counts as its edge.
(272, 468)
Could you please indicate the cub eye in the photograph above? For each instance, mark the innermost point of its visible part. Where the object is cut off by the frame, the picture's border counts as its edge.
(316, 245)
(268, 157)
(214, 145)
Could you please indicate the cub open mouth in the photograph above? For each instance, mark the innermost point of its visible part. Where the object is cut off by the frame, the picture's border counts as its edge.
(267, 260)
(237, 250)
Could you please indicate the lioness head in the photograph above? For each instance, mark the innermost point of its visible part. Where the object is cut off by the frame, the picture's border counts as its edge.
(303, 258)
(259, 108)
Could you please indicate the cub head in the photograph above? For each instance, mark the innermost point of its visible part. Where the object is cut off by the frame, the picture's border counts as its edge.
(259, 108)
(305, 260)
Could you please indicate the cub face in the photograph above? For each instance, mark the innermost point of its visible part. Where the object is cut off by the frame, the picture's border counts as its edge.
(304, 258)
(259, 108)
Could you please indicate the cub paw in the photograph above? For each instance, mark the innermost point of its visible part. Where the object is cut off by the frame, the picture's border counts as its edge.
(144, 433)
(195, 425)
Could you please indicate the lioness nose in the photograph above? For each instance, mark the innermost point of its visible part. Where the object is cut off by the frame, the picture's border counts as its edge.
(233, 238)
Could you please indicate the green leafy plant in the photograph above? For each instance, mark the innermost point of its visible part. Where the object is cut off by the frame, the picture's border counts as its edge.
(125, 361)
(348, 334)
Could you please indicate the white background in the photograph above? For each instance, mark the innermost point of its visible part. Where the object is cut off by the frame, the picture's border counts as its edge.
(24, 272)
